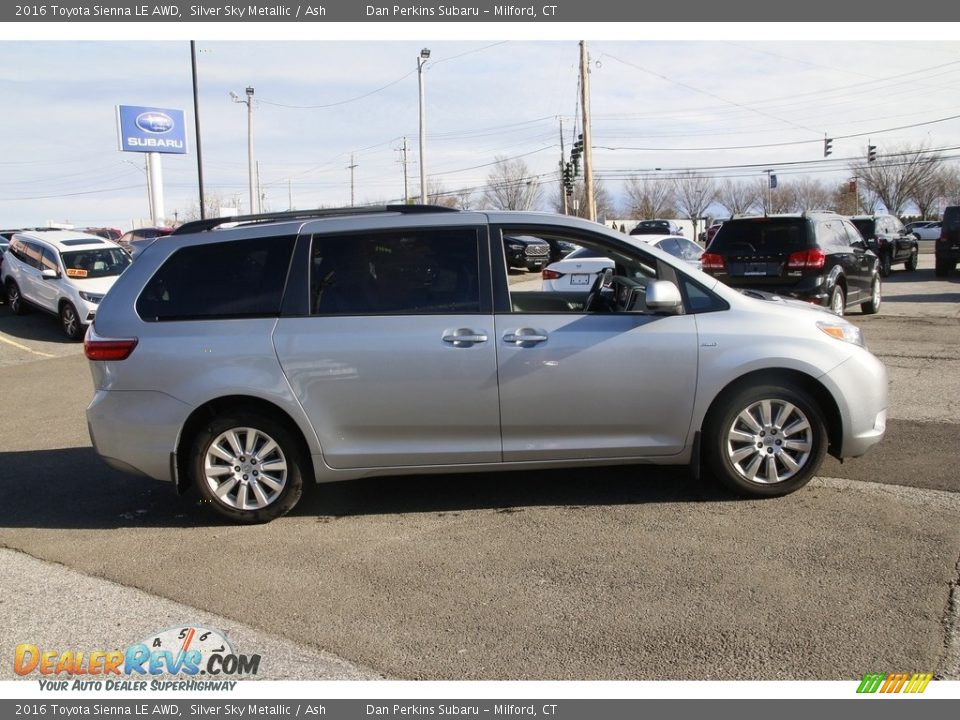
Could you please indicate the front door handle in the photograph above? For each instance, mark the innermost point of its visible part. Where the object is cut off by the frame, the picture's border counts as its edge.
(525, 337)
(464, 337)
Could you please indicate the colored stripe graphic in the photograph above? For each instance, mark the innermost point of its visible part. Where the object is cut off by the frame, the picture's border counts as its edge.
(894, 682)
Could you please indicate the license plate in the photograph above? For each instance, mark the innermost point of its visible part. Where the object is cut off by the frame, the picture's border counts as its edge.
(755, 269)
(580, 279)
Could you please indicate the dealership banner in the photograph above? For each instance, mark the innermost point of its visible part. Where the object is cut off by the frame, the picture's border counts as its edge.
(151, 129)
(321, 11)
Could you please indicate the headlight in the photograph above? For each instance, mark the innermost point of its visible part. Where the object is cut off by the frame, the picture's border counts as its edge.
(842, 331)
(91, 298)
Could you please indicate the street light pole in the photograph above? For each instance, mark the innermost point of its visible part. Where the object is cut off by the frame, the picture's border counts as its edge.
(421, 61)
(254, 200)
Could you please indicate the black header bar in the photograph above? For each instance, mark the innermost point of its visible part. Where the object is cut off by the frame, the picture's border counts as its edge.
(541, 11)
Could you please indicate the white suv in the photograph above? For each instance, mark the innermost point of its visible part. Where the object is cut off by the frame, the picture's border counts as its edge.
(62, 272)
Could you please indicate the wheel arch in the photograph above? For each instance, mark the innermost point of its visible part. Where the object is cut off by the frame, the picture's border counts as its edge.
(236, 403)
(780, 376)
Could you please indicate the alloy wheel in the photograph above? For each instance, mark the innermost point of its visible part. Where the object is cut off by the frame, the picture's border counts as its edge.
(769, 441)
(245, 468)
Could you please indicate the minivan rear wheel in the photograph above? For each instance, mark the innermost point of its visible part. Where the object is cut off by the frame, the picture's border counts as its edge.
(766, 441)
(248, 467)
(885, 264)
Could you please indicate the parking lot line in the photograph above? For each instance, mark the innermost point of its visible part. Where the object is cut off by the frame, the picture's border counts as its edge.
(24, 347)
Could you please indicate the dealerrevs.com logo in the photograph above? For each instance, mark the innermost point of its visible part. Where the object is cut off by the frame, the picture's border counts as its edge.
(894, 682)
(183, 653)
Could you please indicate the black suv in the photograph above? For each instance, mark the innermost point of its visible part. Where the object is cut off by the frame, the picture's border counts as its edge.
(820, 258)
(889, 239)
(526, 251)
(947, 247)
(657, 227)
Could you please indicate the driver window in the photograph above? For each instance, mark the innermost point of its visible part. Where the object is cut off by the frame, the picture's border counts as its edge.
(559, 273)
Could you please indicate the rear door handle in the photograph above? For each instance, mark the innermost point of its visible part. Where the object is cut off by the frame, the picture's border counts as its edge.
(525, 336)
(464, 337)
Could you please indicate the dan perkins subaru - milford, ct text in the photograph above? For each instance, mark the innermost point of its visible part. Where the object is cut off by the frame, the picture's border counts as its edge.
(413, 11)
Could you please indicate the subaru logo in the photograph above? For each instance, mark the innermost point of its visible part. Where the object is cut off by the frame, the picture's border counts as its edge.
(154, 122)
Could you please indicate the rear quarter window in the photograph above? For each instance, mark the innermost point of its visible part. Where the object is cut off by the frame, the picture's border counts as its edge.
(239, 278)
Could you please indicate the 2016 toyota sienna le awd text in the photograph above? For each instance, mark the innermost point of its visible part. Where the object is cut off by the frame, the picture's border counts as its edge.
(248, 357)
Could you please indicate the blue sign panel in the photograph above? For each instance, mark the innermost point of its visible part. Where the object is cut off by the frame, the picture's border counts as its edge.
(148, 129)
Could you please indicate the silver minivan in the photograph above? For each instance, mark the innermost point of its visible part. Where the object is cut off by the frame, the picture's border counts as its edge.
(246, 357)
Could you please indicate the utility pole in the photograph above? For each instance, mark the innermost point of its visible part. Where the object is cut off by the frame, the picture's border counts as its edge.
(260, 194)
(196, 124)
(563, 188)
(587, 144)
(406, 191)
(289, 194)
(421, 61)
(351, 167)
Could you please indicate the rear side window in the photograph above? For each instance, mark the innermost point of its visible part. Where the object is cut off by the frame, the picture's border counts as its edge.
(240, 278)
(951, 218)
(762, 236)
(382, 273)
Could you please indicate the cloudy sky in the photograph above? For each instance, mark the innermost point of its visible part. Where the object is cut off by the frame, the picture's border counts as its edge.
(730, 107)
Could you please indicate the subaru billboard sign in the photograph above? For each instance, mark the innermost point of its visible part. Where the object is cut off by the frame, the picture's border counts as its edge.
(149, 129)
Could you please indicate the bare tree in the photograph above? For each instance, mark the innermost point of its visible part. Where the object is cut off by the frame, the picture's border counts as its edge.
(577, 203)
(949, 180)
(846, 199)
(896, 177)
(810, 195)
(510, 186)
(213, 201)
(737, 196)
(694, 194)
(649, 198)
(772, 201)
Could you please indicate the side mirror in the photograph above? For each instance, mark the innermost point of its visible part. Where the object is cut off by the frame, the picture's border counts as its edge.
(48, 274)
(663, 296)
(862, 244)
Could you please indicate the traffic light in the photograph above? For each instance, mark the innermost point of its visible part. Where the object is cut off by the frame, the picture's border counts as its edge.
(827, 146)
(871, 153)
(853, 185)
(568, 178)
(576, 153)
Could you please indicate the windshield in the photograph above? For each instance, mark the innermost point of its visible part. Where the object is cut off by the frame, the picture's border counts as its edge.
(95, 263)
(865, 227)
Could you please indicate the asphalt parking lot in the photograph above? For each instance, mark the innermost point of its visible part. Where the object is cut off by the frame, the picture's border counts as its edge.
(629, 573)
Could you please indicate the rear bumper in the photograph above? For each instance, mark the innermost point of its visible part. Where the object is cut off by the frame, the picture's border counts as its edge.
(809, 289)
(136, 430)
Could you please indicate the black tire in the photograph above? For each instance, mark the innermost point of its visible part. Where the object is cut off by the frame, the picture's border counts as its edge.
(838, 300)
(15, 299)
(872, 306)
(70, 321)
(244, 495)
(942, 268)
(914, 260)
(730, 454)
(884, 264)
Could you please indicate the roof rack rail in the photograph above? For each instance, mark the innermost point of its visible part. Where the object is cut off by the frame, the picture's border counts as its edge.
(210, 223)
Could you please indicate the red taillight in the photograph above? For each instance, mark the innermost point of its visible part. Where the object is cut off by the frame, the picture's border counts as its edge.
(806, 259)
(548, 274)
(96, 349)
(711, 261)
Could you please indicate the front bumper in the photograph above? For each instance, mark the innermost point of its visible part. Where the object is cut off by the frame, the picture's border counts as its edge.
(860, 387)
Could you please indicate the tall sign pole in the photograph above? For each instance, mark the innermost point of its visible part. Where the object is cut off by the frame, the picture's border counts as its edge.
(196, 121)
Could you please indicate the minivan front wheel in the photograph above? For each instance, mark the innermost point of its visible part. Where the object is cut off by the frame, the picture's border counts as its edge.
(247, 467)
(766, 441)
